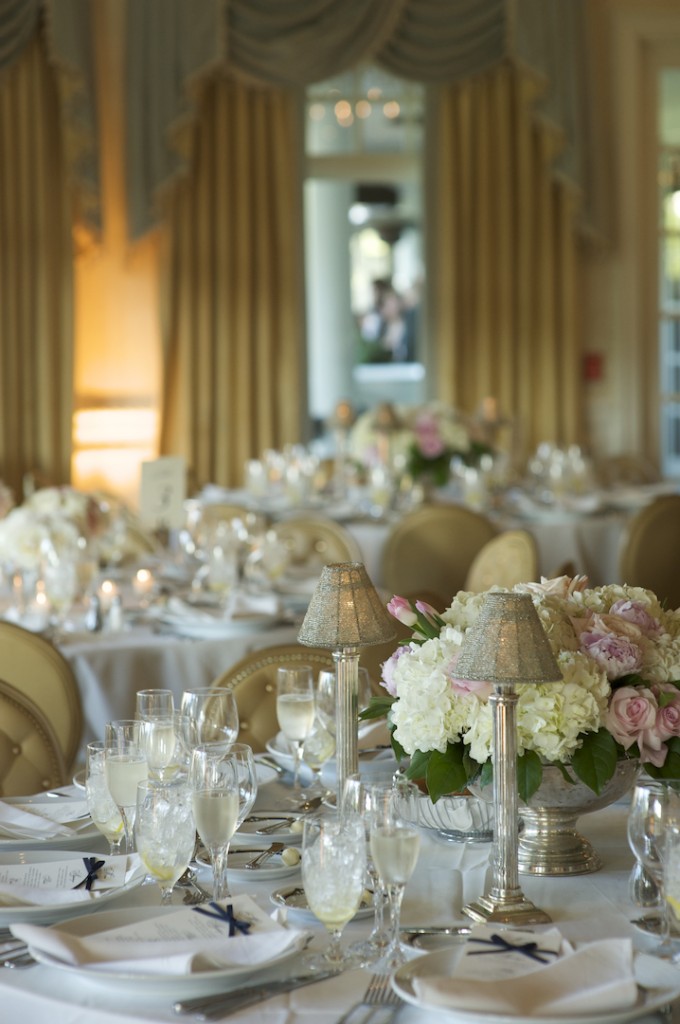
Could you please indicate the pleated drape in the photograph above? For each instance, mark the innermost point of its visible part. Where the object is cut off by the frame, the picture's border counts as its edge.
(503, 259)
(36, 271)
(232, 288)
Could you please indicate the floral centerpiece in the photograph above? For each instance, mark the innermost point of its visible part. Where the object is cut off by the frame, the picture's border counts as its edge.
(619, 653)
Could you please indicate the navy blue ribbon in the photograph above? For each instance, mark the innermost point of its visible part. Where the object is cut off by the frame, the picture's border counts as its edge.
(501, 945)
(225, 914)
(92, 866)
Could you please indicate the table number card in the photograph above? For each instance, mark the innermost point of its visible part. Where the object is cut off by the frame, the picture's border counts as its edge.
(162, 492)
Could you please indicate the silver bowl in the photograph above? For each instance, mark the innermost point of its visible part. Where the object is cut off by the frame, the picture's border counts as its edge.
(455, 818)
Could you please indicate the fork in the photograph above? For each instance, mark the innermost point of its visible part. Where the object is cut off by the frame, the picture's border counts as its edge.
(378, 994)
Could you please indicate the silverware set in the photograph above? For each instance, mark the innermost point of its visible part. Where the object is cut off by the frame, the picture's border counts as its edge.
(14, 952)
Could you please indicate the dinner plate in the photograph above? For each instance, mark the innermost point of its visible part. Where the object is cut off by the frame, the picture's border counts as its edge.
(271, 869)
(279, 825)
(294, 899)
(219, 628)
(57, 912)
(80, 839)
(650, 997)
(169, 987)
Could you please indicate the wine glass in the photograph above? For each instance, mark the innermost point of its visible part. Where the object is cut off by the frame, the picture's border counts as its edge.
(359, 797)
(61, 584)
(655, 807)
(155, 704)
(209, 714)
(101, 805)
(325, 694)
(165, 832)
(333, 873)
(161, 744)
(394, 847)
(295, 710)
(125, 766)
(224, 787)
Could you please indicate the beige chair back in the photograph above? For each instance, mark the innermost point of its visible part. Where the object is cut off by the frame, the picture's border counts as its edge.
(34, 666)
(30, 754)
(509, 558)
(316, 541)
(432, 550)
(253, 681)
(650, 550)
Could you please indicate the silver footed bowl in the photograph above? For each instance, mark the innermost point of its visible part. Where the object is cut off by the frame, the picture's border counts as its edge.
(455, 818)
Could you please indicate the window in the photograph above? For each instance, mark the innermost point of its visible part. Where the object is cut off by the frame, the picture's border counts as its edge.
(669, 268)
(363, 241)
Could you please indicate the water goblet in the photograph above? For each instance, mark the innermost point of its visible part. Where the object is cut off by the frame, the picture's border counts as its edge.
(360, 797)
(165, 832)
(154, 703)
(224, 787)
(295, 710)
(125, 766)
(211, 715)
(101, 805)
(394, 847)
(654, 809)
(333, 873)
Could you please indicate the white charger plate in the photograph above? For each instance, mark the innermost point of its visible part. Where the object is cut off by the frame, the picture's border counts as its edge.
(248, 831)
(650, 997)
(294, 899)
(80, 839)
(169, 987)
(34, 914)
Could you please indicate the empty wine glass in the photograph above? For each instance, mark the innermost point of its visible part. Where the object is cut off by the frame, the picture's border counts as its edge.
(155, 704)
(101, 805)
(654, 809)
(125, 766)
(165, 832)
(295, 710)
(333, 871)
(210, 714)
(224, 787)
(394, 847)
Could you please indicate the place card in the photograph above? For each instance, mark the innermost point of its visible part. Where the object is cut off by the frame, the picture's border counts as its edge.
(64, 874)
(162, 492)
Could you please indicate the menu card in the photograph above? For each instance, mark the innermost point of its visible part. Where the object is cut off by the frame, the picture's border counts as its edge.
(162, 492)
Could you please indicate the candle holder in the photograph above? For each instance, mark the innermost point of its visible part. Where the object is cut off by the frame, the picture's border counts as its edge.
(344, 615)
(506, 646)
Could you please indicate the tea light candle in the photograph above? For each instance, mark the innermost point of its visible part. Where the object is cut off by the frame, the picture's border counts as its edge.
(143, 582)
(107, 591)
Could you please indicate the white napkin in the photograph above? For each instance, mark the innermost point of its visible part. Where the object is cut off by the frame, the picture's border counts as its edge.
(55, 888)
(240, 605)
(41, 821)
(595, 978)
(182, 942)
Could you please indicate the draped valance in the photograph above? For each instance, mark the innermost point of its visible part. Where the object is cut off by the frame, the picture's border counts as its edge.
(172, 46)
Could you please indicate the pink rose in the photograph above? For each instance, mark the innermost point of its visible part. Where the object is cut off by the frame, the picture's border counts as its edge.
(431, 445)
(635, 612)
(387, 670)
(401, 609)
(463, 687)
(631, 711)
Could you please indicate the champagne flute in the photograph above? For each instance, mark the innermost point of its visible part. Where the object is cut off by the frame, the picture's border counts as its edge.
(394, 846)
(224, 786)
(654, 809)
(209, 714)
(155, 704)
(125, 766)
(161, 744)
(333, 871)
(101, 805)
(165, 832)
(295, 710)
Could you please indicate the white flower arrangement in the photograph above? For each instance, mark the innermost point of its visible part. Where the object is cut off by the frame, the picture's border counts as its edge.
(434, 423)
(619, 653)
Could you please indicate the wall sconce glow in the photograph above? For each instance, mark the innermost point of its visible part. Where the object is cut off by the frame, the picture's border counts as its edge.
(109, 446)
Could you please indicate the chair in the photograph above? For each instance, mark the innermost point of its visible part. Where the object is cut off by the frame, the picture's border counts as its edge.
(650, 550)
(253, 680)
(509, 558)
(34, 666)
(30, 754)
(315, 541)
(432, 549)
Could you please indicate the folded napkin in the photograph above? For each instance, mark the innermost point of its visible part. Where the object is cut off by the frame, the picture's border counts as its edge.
(43, 821)
(550, 979)
(47, 884)
(240, 605)
(186, 941)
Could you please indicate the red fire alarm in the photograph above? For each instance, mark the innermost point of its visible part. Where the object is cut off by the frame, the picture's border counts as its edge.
(593, 366)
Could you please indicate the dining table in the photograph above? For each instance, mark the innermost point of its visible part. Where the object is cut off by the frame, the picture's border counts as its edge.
(448, 875)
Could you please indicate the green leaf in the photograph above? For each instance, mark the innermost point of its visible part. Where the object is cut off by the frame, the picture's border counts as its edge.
(666, 697)
(417, 769)
(399, 751)
(486, 774)
(670, 769)
(378, 707)
(446, 772)
(529, 774)
(595, 762)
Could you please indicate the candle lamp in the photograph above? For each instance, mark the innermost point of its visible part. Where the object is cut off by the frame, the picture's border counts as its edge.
(344, 615)
(506, 647)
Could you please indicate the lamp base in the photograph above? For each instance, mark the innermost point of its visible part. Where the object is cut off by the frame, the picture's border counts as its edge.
(505, 910)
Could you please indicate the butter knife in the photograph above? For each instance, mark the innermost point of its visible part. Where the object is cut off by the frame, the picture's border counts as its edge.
(215, 1007)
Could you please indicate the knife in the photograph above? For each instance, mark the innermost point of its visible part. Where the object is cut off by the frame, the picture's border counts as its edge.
(214, 1007)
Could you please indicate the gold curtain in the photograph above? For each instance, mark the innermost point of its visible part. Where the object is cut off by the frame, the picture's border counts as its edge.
(232, 286)
(502, 263)
(36, 270)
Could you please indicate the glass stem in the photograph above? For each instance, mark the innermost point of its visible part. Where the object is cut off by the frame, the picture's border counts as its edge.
(128, 816)
(166, 895)
(395, 894)
(115, 844)
(297, 758)
(220, 883)
(333, 952)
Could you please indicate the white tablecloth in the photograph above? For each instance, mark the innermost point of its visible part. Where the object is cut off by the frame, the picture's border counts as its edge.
(583, 907)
